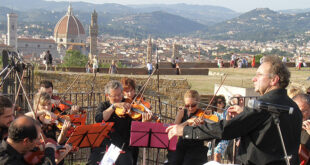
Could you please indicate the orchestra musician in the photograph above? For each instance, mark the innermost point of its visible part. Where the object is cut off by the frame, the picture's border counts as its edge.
(42, 106)
(23, 136)
(47, 86)
(260, 142)
(188, 152)
(121, 134)
(6, 115)
(303, 102)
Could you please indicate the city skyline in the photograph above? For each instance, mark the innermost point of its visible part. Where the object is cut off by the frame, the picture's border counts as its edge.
(236, 5)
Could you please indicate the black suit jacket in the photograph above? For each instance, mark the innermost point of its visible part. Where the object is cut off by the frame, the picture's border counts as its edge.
(260, 142)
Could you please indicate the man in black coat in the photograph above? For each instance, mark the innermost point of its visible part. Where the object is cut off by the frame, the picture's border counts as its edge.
(260, 142)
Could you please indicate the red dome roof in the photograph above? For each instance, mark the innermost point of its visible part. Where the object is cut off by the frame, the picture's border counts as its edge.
(69, 25)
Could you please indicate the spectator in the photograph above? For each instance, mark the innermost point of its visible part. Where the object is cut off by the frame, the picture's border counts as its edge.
(95, 64)
(300, 61)
(178, 69)
(220, 112)
(284, 60)
(49, 60)
(113, 68)
(253, 62)
(232, 61)
(149, 68)
(88, 67)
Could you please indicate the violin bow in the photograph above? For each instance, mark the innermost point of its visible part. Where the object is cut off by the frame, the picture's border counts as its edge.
(216, 91)
(28, 102)
(66, 91)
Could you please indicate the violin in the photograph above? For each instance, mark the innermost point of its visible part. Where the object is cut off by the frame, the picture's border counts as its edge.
(136, 110)
(303, 154)
(206, 118)
(34, 157)
(64, 106)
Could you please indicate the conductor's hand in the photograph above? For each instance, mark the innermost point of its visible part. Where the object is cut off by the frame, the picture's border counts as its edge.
(234, 110)
(175, 130)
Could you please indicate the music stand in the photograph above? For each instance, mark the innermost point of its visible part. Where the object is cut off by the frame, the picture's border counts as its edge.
(90, 135)
(151, 135)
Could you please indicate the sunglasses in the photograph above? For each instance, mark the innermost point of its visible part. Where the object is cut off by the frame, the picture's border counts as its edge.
(192, 106)
(220, 102)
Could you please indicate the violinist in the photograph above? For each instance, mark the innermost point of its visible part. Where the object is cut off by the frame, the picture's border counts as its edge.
(47, 86)
(188, 152)
(23, 136)
(121, 134)
(6, 115)
(42, 106)
(303, 102)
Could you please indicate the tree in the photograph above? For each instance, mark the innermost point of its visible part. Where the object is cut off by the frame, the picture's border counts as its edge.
(74, 58)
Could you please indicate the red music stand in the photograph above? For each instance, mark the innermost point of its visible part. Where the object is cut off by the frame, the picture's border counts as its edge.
(90, 135)
(151, 135)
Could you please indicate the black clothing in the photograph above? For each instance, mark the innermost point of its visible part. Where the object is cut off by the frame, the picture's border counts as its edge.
(48, 57)
(3, 133)
(119, 136)
(260, 142)
(188, 152)
(9, 156)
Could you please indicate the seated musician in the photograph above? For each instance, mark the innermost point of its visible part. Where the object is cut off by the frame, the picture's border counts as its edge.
(6, 115)
(188, 152)
(47, 86)
(121, 134)
(23, 136)
(42, 106)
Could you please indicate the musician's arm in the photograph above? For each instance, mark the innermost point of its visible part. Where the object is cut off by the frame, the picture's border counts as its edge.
(179, 116)
(227, 129)
(100, 112)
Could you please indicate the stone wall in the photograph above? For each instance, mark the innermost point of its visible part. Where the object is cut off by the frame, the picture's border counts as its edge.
(170, 89)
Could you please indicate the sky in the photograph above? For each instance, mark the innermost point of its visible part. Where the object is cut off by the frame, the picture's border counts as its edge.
(236, 5)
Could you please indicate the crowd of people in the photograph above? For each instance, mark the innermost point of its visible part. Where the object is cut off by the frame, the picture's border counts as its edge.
(253, 130)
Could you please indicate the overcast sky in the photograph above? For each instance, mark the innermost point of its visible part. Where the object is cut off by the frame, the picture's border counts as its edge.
(236, 5)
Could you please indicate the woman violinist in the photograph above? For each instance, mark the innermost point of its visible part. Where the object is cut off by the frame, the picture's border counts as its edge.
(188, 152)
(42, 106)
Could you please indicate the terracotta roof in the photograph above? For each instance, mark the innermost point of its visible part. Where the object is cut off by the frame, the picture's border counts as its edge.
(69, 25)
(40, 40)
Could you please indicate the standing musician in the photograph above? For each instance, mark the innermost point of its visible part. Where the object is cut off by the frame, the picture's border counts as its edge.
(188, 152)
(47, 86)
(121, 134)
(23, 136)
(6, 116)
(260, 142)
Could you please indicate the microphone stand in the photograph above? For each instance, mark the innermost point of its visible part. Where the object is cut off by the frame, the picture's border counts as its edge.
(275, 116)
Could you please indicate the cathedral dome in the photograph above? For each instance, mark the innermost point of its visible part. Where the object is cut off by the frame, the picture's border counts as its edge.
(69, 26)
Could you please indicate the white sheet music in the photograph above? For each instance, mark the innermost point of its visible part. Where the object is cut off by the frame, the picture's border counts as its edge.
(111, 155)
(216, 163)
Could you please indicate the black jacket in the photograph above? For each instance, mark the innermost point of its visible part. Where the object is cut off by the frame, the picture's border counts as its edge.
(260, 142)
(9, 156)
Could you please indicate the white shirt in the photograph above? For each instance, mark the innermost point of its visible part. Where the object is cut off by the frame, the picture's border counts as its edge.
(149, 66)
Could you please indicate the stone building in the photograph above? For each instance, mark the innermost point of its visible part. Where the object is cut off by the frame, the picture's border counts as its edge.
(93, 33)
(149, 50)
(12, 30)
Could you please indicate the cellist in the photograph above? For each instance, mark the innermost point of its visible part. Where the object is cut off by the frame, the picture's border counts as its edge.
(188, 152)
(121, 134)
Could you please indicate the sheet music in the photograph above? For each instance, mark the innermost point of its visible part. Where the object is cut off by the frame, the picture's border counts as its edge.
(216, 163)
(111, 155)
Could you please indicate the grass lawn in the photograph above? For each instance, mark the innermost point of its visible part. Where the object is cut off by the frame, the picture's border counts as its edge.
(238, 77)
